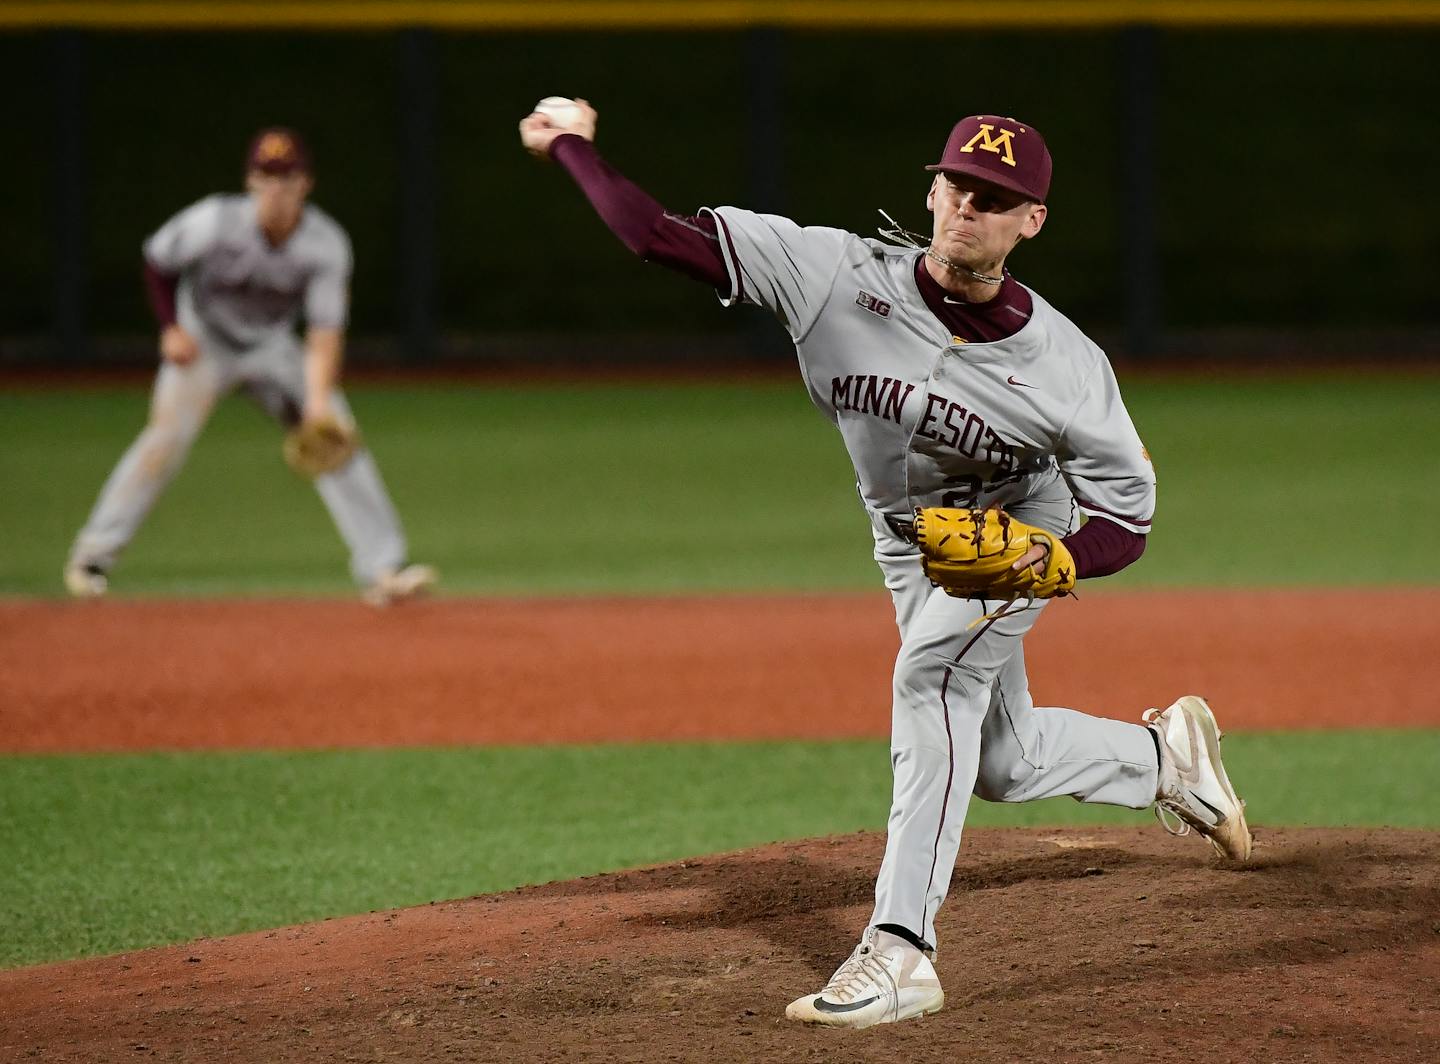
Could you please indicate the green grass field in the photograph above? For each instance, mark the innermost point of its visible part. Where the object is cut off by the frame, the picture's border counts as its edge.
(628, 489)
(113, 853)
(708, 487)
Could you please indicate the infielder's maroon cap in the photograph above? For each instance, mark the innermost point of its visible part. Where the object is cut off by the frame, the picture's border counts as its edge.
(1001, 151)
(277, 150)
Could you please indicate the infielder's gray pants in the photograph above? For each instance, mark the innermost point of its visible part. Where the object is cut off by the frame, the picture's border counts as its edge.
(180, 405)
(963, 722)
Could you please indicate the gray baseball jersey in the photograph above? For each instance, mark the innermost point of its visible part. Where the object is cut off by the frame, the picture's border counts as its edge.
(238, 289)
(1029, 423)
(240, 297)
(1034, 423)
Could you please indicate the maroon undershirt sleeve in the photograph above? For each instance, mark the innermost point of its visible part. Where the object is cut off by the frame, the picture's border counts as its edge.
(160, 290)
(686, 244)
(1102, 547)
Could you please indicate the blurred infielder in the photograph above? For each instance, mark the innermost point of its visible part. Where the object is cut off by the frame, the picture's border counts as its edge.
(227, 278)
(954, 386)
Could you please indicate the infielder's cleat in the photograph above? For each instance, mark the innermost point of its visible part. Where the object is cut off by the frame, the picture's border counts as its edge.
(1192, 786)
(407, 582)
(86, 581)
(886, 979)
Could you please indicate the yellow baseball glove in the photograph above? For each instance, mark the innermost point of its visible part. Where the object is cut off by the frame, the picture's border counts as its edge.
(970, 553)
(320, 446)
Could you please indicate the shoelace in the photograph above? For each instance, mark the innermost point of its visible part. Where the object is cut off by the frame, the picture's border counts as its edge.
(1179, 827)
(1184, 828)
(1162, 806)
(862, 967)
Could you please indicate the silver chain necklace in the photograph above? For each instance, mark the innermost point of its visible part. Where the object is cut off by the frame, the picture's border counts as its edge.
(898, 234)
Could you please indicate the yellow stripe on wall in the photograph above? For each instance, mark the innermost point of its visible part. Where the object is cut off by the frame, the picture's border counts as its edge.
(707, 14)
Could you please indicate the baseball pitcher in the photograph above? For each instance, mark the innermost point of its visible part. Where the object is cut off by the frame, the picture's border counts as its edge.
(997, 464)
(227, 279)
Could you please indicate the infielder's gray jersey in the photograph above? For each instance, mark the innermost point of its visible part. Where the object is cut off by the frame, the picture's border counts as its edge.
(1033, 423)
(239, 290)
(239, 297)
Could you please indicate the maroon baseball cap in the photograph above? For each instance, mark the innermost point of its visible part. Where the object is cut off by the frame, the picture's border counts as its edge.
(277, 150)
(999, 150)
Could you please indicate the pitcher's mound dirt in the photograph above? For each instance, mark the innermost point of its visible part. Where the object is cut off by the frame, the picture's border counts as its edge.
(1115, 944)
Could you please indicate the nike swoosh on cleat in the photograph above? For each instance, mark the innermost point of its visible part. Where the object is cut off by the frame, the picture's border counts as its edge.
(1220, 816)
(821, 1005)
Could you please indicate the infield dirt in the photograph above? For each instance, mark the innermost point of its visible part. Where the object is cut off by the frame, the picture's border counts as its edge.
(1115, 944)
(194, 674)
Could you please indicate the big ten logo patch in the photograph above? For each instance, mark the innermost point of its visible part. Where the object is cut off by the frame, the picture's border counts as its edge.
(874, 304)
(997, 143)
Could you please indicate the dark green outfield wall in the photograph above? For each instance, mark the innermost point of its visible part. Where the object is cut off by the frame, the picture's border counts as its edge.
(1295, 168)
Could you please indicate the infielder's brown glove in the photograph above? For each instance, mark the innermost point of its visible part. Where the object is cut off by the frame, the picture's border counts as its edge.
(320, 446)
(969, 553)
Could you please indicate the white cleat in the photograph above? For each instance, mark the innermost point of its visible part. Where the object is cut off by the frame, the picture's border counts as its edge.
(886, 979)
(1192, 785)
(86, 581)
(396, 585)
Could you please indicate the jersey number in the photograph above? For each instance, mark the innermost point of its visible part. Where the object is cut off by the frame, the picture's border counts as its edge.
(968, 486)
(966, 491)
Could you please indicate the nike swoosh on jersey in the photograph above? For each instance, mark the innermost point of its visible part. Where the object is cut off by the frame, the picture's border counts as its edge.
(1019, 384)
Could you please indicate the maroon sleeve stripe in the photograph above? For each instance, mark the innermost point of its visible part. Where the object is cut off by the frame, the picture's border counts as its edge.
(1142, 522)
(691, 246)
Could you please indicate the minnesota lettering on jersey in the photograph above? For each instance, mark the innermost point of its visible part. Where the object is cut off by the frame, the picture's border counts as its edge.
(866, 393)
(268, 302)
(943, 420)
(951, 425)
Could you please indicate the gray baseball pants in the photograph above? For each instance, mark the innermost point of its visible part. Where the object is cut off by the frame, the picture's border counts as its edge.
(963, 722)
(180, 404)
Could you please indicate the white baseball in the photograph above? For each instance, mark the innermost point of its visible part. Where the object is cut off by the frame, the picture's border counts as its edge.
(561, 110)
